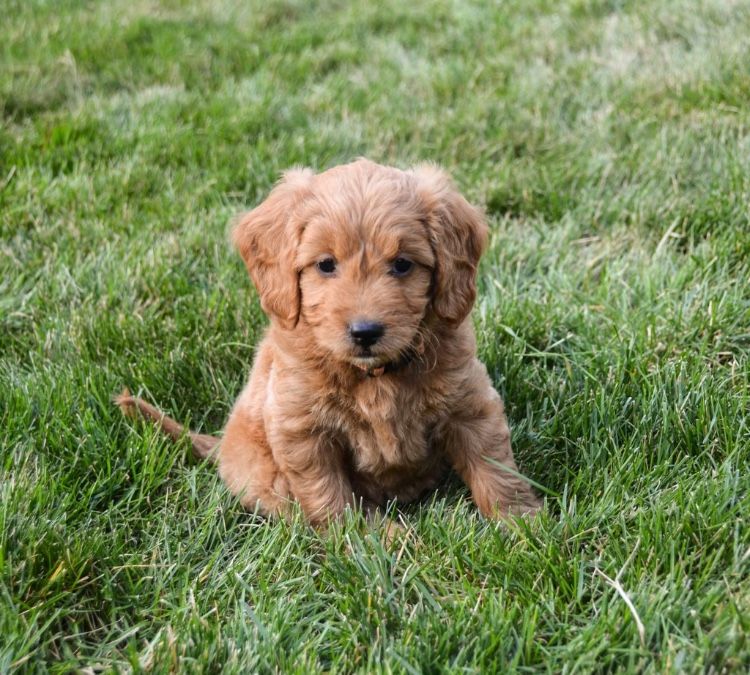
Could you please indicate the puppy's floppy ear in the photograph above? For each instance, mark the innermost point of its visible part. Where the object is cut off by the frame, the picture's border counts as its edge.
(267, 238)
(458, 235)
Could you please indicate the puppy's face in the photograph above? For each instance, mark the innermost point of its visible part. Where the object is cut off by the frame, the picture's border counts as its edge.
(366, 270)
(362, 255)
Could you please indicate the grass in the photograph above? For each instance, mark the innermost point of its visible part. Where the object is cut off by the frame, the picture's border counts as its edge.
(608, 142)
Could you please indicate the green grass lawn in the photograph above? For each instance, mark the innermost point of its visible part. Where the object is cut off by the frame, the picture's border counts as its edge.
(608, 141)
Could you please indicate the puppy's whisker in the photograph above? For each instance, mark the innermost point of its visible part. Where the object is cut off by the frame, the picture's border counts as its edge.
(429, 352)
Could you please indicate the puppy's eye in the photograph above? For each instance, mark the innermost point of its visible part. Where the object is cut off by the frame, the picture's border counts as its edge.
(401, 266)
(327, 266)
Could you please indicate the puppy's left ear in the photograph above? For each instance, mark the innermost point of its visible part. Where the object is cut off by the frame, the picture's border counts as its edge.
(267, 238)
(458, 233)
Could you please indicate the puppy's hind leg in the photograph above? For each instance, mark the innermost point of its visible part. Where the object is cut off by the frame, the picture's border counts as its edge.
(476, 440)
(132, 406)
(247, 467)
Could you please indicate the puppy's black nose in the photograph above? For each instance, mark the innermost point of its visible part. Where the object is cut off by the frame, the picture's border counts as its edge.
(366, 333)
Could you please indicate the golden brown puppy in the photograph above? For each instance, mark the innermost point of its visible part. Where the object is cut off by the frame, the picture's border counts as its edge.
(366, 385)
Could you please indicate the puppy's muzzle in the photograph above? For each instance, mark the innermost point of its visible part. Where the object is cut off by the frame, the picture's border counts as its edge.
(365, 333)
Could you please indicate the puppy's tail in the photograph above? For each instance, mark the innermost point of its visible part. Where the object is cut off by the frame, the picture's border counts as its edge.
(132, 406)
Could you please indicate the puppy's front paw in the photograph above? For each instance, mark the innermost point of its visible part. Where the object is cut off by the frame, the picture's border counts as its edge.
(393, 532)
(526, 505)
(530, 507)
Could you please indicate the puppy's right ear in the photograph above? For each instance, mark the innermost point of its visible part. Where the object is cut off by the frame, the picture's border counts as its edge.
(267, 238)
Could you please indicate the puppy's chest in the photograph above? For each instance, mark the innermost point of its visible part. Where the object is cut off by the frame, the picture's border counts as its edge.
(388, 428)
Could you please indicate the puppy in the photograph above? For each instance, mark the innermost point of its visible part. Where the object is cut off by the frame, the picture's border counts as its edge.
(366, 386)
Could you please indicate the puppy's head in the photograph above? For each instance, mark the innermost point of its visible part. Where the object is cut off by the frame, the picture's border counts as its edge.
(363, 256)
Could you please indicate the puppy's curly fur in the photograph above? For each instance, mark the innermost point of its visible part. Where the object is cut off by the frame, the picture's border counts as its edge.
(366, 385)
